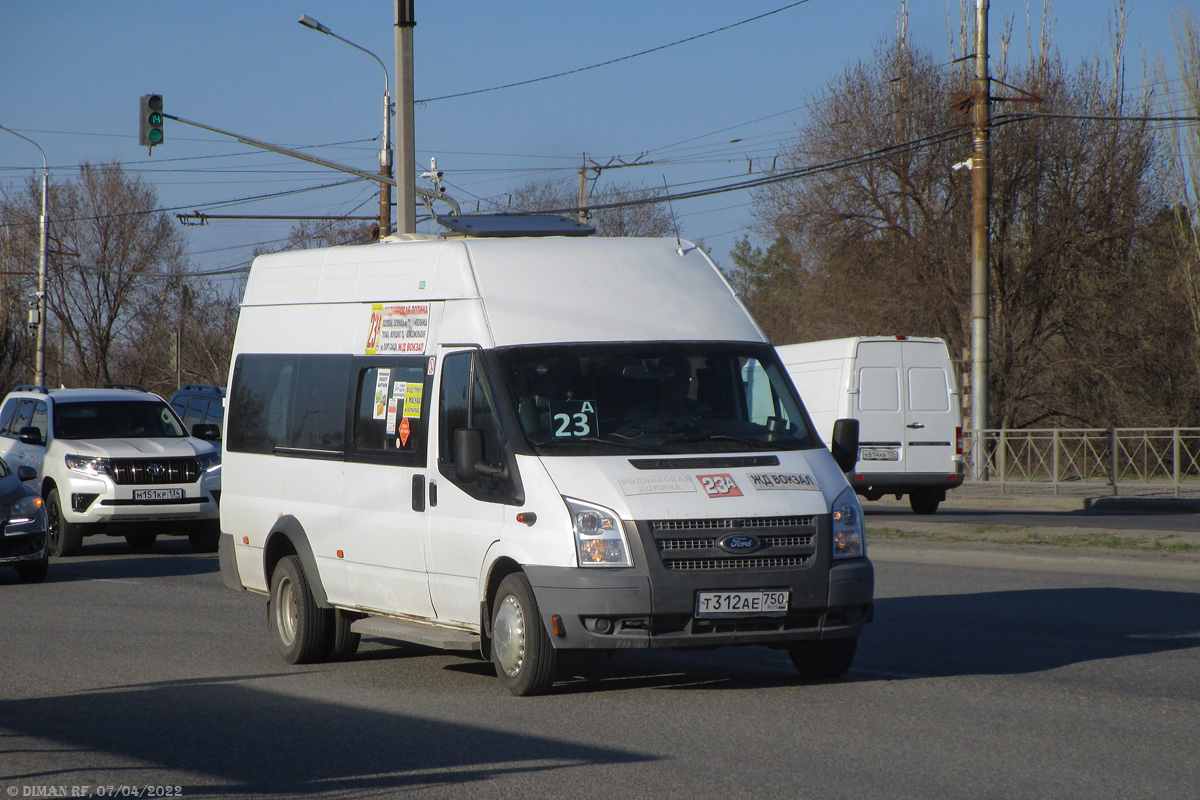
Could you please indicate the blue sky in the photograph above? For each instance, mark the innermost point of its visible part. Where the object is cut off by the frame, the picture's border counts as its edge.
(73, 72)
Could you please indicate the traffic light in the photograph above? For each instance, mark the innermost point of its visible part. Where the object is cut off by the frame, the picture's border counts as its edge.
(151, 120)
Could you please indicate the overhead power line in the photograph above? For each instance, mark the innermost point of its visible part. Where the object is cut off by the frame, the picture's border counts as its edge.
(616, 60)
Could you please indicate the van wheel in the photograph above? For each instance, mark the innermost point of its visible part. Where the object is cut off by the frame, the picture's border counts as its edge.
(299, 625)
(924, 501)
(141, 542)
(65, 537)
(825, 658)
(521, 650)
(341, 643)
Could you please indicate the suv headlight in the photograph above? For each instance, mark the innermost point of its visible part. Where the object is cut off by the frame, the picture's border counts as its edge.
(210, 461)
(849, 536)
(599, 535)
(24, 510)
(88, 465)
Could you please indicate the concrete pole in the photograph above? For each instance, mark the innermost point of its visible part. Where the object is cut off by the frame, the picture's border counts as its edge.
(40, 371)
(406, 151)
(980, 223)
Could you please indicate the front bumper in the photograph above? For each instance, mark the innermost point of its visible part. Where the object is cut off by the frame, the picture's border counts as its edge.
(654, 603)
(89, 501)
(17, 548)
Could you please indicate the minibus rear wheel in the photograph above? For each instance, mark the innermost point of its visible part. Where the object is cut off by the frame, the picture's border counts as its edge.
(299, 624)
(521, 650)
(823, 658)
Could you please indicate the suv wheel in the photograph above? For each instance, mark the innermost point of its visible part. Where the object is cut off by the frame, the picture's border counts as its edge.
(65, 537)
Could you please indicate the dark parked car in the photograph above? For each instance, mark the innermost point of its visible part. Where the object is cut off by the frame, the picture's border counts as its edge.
(196, 403)
(23, 540)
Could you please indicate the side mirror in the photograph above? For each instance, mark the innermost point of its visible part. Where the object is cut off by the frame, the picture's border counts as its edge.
(30, 435)
(468, 457)
(845, 444)
(206, 431)
(468, 452)
(26, 473)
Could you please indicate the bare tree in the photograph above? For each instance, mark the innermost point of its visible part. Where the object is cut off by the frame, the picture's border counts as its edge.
(113, 260)
(883, 234)
(636, 210)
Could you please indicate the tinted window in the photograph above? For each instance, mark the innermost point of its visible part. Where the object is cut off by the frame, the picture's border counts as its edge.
(6, 417)
(466, 403)
(388, 409)
(115, 419)
(288, 401)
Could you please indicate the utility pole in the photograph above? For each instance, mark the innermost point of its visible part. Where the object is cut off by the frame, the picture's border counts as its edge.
(43, 225)
(406, 151)
(980, 224)
(583, 190)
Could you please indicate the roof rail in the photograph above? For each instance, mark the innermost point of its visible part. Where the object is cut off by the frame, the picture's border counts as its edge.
(201, 386)
(132, 387)
(29, 387)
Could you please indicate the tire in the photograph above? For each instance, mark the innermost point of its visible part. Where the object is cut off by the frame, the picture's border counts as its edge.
(341, 643)
(33, 571)
(141, 542)
(65, 537)
(924, 501)
(205, 540)
(299, 625)
(824, 658)
(524, 658)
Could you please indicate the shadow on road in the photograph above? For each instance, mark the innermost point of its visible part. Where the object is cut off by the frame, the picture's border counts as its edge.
(244, 740)
(1004, 633)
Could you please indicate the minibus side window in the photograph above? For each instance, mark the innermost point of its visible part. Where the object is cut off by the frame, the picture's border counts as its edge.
(387, 412)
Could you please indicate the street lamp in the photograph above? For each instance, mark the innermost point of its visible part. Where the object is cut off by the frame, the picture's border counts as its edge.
(385, 150)
(40, 370)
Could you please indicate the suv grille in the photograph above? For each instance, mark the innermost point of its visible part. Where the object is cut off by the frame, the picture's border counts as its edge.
(691, 544)
(141, 471)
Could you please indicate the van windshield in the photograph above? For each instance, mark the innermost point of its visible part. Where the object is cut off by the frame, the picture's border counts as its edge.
(617, 399)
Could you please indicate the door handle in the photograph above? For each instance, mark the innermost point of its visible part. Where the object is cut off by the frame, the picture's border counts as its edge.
(916, 425)
(418, 493)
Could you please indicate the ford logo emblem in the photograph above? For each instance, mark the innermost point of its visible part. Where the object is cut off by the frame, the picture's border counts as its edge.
(740, 543)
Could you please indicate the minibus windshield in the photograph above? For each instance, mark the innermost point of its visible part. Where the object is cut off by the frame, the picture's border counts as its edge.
(667, 397)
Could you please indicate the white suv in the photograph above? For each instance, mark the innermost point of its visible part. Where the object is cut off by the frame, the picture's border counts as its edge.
(113, 461)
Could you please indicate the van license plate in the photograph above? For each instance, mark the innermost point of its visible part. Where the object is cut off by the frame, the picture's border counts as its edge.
(158, 494)
(731, 604)
(879, 454)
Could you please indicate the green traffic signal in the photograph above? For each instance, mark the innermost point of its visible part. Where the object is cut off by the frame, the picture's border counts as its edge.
(151, 120)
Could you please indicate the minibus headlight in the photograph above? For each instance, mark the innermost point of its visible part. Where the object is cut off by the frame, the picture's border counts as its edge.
(88, 465)
(24, 510)
(599, 535)
(849, 536)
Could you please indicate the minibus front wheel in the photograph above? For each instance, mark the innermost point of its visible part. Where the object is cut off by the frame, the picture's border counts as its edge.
(521, 650)
(298, 623)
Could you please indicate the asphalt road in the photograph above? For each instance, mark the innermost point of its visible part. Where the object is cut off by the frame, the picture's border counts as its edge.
(131, 671)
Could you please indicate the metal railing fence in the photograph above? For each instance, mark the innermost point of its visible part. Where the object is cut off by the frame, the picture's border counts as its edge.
(1165, 459)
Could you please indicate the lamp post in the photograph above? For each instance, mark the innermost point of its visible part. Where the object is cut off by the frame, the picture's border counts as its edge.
(40, 368)
(385, 150)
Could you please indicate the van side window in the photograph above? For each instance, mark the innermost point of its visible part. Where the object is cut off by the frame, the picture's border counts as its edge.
(388, 410)
(6, 417)
(464, 403)
(288, 401)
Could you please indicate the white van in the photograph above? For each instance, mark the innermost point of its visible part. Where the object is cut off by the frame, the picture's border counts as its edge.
(520, 446)
(903, 392)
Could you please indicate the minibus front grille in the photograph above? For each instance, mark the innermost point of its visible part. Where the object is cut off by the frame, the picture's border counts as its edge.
(735, 563)
(143, 471)
(705, 544)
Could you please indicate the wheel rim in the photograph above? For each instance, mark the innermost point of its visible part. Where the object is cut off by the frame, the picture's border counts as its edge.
(285, 611)
(508, 639)
(53, 524)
